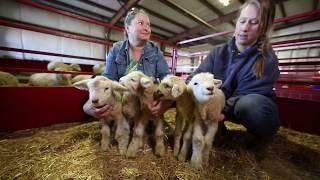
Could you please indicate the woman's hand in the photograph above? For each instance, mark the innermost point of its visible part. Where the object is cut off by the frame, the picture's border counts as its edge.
(102, 112)
(158, 107)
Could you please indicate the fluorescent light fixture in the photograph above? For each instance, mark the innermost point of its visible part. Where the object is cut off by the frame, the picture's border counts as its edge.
(225, 2)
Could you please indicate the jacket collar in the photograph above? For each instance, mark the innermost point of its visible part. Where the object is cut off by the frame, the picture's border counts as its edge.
(233, 48)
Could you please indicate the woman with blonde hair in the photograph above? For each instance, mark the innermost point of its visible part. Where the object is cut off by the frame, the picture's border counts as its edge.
(248, 67)
(136, 52)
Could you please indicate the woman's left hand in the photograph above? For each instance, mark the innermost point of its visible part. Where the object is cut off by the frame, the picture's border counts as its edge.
(158, 107)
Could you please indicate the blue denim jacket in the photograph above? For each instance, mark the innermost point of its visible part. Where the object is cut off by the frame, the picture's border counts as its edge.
(235, 70)
(151, 63)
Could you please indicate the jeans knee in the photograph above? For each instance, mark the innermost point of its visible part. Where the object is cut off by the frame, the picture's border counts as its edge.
(259, 114)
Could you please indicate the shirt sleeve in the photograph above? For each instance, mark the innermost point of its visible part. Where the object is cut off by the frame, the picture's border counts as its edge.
(162, 65)
(111, 67)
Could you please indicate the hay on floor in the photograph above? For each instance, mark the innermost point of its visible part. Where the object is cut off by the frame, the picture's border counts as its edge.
(72, 151)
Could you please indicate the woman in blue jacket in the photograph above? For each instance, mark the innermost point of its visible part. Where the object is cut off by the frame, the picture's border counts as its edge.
(136, 52)
(248, 67)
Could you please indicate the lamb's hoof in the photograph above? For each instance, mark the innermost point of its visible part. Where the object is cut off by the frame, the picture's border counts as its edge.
(131, 153)
(182, 157)
(196, 165)
(175, 153)
(123, 152)
(160, 150)
(196, 162)
(105, 146)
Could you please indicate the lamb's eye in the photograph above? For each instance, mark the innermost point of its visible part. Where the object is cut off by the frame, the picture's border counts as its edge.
(106, 89)
(195, 83)
(166, 86)
(133, 80)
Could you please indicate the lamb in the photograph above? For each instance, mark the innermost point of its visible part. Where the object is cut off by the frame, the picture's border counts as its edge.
(104, 91)
(8, 79)
(80, 77)
(98, 68)
(52, 66)
(173, 88)
(143, 88)
(210, 102)
(50, 79)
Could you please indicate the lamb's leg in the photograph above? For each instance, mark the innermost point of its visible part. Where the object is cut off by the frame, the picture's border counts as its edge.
(186, 144)
(177, 136)
(122, 135)
(159, 148)
(105, 140)
(137, 140)
(209, 138)
(197, 146)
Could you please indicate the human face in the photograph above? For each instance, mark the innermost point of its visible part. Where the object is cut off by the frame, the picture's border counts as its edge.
(139, 29)
(247, 27)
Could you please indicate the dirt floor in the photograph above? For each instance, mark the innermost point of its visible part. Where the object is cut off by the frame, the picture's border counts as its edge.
(72, 151)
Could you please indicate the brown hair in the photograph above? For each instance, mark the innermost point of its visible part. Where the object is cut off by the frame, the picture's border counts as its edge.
(267, 15)
(130, 16)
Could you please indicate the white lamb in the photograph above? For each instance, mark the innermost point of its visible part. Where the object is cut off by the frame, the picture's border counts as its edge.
(50, 79)
(104, 91)
(173, 88)
(143, 87)
(8, 79)
(210, 101)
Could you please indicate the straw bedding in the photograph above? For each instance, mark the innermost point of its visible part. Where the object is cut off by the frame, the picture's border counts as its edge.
(72, 151)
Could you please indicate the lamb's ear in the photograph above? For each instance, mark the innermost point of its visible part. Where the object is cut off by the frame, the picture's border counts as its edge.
(82, 85)
(118, 87)
(176, 91)
(146, 82)
(217, 83)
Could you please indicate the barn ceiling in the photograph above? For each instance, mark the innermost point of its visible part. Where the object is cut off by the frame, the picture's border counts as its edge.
(178, 20)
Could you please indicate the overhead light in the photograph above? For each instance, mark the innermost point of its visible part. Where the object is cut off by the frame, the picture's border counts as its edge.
(225, 2)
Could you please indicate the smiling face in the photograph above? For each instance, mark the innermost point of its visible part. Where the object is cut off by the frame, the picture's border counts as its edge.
(139, 28)
(247, 27)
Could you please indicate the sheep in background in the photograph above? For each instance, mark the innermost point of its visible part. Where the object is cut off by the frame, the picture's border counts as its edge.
(98, 68)
(75, 67)
(80, 77)
(173, 88)
(8, 79)
(104, 91)
(50, 79)
(143, 87)
(52, 66)
(210, 102)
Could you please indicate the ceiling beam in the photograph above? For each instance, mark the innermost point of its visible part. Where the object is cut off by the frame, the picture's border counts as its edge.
(105, 8)
(123, 10)
(155, 14)
(226, 18)
(73, 9)
(214, 9)
(297, 22)
(188, 13)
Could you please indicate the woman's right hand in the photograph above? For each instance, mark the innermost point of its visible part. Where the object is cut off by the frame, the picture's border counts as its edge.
(102, 112)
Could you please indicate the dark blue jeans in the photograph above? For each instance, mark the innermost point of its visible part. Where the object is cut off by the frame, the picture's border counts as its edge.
(258, 113)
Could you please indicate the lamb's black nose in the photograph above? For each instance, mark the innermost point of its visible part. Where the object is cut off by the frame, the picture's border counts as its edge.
(210, 88)
(95, 101)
